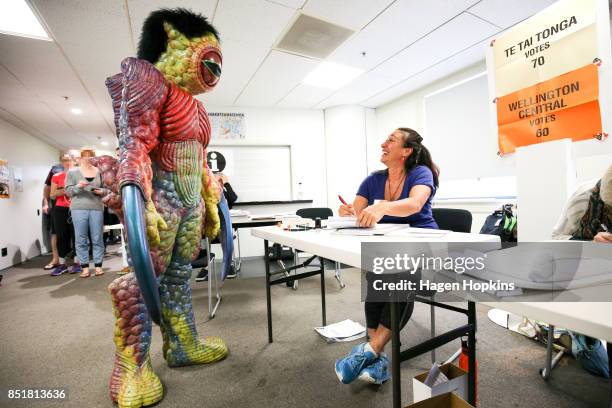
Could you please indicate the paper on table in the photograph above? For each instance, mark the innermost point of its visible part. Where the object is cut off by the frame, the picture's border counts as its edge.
(342, 222)
(238, 213)
(345, 330)
(261, 217)
(422, 232)
(379, 229)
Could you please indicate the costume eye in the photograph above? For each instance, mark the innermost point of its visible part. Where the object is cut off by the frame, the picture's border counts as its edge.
(213, 67)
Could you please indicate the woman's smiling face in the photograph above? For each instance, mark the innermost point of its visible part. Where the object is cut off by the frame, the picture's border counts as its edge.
(393, 149)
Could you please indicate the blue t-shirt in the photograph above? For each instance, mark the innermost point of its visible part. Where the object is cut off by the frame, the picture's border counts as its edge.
(373, 188)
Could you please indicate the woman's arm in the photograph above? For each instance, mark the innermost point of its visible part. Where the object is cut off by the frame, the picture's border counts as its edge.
(56, 191)
(352, 210)
(72, 187)
(417, 198)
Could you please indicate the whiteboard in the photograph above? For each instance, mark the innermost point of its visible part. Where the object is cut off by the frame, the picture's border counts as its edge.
(459, 133)
(258, 173)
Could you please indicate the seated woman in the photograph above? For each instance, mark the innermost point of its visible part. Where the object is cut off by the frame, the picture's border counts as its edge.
(401, 194)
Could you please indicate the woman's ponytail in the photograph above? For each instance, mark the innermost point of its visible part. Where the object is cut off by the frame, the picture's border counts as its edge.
(420, 154)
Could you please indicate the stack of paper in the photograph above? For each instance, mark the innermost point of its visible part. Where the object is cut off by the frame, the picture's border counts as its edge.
(239, 213)
(342, 222)
(378, 229)
(435, 376)
(346, 330)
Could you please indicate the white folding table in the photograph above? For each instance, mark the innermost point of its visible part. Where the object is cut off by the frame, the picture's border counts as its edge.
(347, 249)
(589, 318)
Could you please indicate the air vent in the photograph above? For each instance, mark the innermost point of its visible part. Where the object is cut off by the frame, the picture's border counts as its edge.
(312, 37)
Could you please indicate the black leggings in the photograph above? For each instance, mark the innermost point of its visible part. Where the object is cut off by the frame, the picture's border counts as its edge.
(63, 230)
(379, 313)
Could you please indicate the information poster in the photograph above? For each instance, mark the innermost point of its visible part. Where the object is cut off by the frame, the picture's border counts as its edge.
(546, 77)
(18, 179)
(5, 179)
(227, 125)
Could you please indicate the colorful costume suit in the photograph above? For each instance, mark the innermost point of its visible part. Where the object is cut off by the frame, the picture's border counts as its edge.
(165, 195)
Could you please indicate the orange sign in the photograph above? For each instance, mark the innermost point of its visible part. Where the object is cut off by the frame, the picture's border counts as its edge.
(566, 106)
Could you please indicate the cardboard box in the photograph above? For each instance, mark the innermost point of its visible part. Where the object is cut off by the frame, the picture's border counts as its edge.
(448, 400)
(457, 382)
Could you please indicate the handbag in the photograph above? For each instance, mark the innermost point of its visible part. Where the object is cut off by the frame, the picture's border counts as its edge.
(503, 223)
(591, 354)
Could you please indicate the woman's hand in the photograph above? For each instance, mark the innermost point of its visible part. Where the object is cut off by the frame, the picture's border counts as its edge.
(370, 215)
(603, 237)
(347, 211)
(82, 183)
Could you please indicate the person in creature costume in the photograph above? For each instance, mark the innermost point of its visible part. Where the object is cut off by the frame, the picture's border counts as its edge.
(164, 193)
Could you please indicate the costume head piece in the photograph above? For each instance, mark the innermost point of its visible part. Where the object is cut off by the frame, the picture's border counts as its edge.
(184, 47)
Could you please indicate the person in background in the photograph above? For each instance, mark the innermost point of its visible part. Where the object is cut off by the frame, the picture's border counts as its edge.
(228, 191)
(84, 187)
(596, 221)
(401, 194)
(60, 217)
(47, 209)
(231, 197)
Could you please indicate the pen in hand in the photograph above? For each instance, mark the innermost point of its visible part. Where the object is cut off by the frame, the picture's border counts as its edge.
(350, 207)
(604, 228)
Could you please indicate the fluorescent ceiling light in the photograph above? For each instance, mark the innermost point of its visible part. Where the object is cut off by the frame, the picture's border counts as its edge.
(76, 111)
(104, 143)
(16, 18)
(331, 75)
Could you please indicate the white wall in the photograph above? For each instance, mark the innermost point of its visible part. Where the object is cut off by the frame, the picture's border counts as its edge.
(20, 226)
(304, 131)
(408, 111)
(346, 153)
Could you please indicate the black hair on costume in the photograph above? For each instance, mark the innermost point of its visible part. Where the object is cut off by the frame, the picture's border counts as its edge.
(154, 40)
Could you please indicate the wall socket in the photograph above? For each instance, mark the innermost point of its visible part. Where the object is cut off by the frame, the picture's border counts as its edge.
(4, 251)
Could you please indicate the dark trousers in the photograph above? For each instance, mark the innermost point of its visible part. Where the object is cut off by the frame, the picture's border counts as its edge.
(63, 230)
(379, 313)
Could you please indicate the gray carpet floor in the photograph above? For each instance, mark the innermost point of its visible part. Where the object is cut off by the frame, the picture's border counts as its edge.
(57, 333)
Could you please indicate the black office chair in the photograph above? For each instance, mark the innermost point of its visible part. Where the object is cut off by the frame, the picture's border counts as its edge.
(315, 212)
(456, 220)
(322, 213)
(453, 219)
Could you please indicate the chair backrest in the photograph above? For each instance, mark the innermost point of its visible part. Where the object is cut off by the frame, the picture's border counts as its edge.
(453, 219)
(314, 212)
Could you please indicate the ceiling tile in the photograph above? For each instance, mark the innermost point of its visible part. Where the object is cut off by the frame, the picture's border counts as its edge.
(359, 89)
(254, 22)
(354, 14)
(26, 127)
(403, 23)
(278, 75)
(460, 33)
(240, 62)
(507, 13)
(304, 96)
(95, 37)
(294, 4)
(458, 62)
(38, 116)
